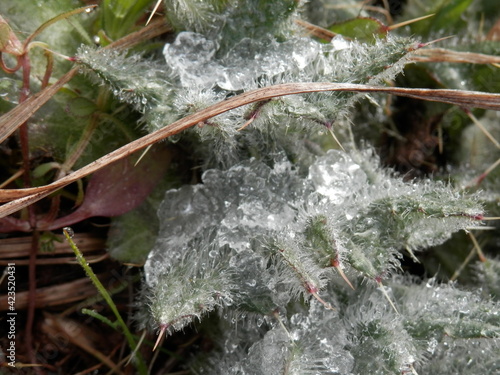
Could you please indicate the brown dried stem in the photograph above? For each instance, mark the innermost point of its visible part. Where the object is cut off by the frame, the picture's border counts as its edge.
(20, 198)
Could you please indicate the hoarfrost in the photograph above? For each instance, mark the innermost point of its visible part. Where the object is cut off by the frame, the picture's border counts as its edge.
(254, 238)
(248, 201)
(194, 58)
(335, 176)
(362, 205)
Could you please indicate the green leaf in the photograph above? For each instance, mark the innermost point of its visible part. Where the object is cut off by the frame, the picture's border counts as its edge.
(448, 18)
(81, 107)
(362, 29)
(118, 16)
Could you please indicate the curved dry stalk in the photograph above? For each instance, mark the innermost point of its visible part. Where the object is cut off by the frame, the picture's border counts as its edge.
(481, 127)
(157, 5)
(344, 276)
(408, 22)
(447, 55)
(20, 198)
(317, 31)
(482, 176)
(386, 295)
(10, 121)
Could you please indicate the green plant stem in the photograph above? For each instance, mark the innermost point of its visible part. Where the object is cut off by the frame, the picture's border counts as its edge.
(100, 317)
(62, 16)
(141, 366)
(101, 102)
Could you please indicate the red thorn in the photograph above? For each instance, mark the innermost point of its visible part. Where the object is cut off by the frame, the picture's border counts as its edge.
(161, 335)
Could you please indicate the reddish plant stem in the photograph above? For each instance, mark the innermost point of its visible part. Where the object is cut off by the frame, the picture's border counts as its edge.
(24, 142)
(31, 301)
(8, 70)
(48, 70)
(23, 130)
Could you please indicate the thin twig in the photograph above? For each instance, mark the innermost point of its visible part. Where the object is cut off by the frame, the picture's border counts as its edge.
(20, 198)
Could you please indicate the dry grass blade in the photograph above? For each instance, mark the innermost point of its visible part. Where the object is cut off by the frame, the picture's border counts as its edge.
(79, 335)
(318, 32)
(154, 29)
(408, 22)
(23, 197)
(446, 55)
(483, 129)
(19, 247)
(157, 5)
(13, 119)
(54, 295)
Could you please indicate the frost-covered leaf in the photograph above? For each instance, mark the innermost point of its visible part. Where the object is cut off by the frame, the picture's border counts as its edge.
(365, 335)
(433, 319)
(132, 79)
(437, 311)
(197, 15)
(280, 229)
(371, 215)
(187, 290)
(310, 341)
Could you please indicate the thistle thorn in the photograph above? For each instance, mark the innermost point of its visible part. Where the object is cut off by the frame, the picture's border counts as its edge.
(161, 335)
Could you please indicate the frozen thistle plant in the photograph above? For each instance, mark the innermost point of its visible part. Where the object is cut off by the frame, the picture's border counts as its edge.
(204, 66)
(187, 291)
(288, 251)
(299, 251)
(272, 238)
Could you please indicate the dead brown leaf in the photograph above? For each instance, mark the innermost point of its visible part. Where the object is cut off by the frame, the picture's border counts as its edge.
(79, 335)
(20, 247)
(54, 295)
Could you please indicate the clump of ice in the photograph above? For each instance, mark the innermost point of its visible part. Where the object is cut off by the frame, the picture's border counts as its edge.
(249, 201)
(337, 176)
(193, 57)
(370, 213)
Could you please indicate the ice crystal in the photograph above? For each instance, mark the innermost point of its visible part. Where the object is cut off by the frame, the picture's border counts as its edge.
(271, 235)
